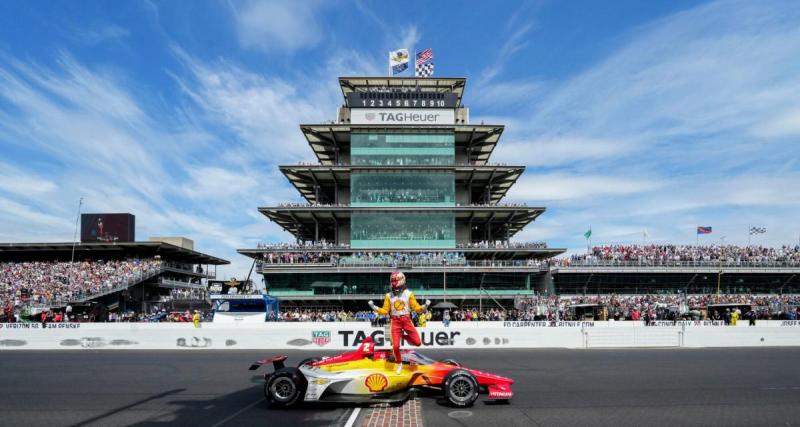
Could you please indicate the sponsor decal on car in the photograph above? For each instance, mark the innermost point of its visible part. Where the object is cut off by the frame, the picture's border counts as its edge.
(321, 338)
(376, 382)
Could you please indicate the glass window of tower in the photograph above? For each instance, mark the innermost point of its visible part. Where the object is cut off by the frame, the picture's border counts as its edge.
(402, 189)
(402, 230)
(402, 149)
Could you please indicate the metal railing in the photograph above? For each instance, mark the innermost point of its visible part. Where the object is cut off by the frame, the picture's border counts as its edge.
(180, 284)
(406, 264)
(129, 281)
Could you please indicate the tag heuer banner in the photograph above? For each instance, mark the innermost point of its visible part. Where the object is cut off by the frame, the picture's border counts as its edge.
(405, 116)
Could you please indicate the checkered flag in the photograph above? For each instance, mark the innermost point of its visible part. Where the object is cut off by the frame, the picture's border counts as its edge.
(424, 70)
(758, 230)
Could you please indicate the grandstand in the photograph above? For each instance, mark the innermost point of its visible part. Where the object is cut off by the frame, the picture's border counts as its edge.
(119, 276)
(686, 269)
(402, 180)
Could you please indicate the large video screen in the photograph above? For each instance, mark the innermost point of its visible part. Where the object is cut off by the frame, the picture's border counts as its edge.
(108, 227)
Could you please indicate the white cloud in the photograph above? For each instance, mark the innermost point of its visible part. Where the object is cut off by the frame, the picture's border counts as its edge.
(561, 150)
(263, 112)
(22, 182)
(784, 125)
(690, 121)
(100, 34)
(549, 187)
(278, 25)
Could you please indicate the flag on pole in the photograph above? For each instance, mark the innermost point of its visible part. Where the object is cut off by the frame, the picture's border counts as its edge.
(424, 70)
(424, 65)
(758, 230)
(588, 233)
(398, 60)
(424, 56)
(703, 230)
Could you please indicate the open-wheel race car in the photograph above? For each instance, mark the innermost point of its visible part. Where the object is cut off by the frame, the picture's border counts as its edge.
(368, 375)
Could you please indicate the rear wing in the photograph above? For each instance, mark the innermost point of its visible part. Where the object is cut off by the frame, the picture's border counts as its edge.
(276, 361)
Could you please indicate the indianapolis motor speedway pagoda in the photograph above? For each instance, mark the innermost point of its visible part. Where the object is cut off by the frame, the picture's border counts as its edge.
(403, 175)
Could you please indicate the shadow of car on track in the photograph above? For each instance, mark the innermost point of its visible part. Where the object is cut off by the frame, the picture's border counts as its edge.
(242, 407)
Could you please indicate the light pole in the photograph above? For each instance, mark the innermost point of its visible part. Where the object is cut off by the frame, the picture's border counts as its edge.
(721, 255)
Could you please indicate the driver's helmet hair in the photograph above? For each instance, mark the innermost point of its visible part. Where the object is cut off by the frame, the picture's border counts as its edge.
(398, 281)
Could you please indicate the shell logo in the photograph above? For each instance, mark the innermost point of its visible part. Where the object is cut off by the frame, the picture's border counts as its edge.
(399, 305)
(376, 382)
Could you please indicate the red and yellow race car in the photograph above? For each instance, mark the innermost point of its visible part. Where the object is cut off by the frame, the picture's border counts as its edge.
(368, 375)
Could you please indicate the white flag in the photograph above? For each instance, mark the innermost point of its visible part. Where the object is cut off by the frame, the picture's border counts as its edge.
(398, 60)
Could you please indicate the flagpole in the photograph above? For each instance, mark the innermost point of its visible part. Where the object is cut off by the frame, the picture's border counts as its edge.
(74, 240)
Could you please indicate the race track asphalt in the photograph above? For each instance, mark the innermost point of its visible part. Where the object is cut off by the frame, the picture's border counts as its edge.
(639, 387)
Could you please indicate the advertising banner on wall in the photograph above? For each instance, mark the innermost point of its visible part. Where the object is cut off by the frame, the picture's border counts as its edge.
(406, 116)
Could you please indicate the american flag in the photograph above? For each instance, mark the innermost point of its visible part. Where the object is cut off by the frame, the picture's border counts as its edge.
(424, 70)
(704, 230)
(424, 56)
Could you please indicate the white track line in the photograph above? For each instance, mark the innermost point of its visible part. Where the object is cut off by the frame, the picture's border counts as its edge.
(237, 413)
(353, 418)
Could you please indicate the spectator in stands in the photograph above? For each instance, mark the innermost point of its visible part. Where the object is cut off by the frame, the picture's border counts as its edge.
(196, 319)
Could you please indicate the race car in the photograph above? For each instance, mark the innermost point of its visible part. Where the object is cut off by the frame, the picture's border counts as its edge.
(368, 375)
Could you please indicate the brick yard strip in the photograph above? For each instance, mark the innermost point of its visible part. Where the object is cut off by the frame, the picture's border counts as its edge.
(383, 415)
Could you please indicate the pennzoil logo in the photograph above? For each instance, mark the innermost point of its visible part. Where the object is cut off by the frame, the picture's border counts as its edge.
(376, 382)
(320, 338)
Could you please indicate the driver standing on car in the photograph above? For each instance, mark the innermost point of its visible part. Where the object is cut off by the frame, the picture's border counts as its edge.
(398, 305)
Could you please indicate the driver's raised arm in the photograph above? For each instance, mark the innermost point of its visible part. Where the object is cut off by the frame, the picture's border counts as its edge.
(381, 310)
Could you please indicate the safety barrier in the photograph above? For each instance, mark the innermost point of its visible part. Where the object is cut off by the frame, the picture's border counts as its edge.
(348, 335)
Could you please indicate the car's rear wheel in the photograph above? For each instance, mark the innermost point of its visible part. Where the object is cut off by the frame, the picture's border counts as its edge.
(460, 388)
(309, 360)
(450, 362)
(285, 387)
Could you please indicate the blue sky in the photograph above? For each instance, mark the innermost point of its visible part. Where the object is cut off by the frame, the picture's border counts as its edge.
(630, 115)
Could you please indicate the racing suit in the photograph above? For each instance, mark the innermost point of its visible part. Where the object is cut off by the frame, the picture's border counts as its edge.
(398, 307)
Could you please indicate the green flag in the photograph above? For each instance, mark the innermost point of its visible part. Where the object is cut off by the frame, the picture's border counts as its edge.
(588, 233)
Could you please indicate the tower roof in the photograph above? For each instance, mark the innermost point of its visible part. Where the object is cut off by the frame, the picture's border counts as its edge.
(454, 85)
(326, 139)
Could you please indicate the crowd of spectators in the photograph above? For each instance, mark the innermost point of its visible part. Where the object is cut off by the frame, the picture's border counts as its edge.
(45, 282)
(502, 245)
(656, 307)
(597, 307)
(322, 244)
(683, 254)
(324, 315)
(404, 230)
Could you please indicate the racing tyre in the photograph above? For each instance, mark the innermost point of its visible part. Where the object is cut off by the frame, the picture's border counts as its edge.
(309, 360)
(285, 387)
(460, 388)
(450, 362)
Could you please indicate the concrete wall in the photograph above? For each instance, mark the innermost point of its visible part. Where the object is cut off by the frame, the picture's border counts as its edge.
(343, 336)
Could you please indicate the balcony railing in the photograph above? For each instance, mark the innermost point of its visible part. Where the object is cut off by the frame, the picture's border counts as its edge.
(343, 264)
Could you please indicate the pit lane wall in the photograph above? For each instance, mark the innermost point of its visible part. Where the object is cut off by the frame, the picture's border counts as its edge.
(344, 336)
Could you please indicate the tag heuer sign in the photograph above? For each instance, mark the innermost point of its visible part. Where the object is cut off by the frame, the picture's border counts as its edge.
(405, 116)
(320, 338)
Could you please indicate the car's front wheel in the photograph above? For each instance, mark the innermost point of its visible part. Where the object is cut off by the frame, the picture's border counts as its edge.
(285, 387)
(460, 388)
